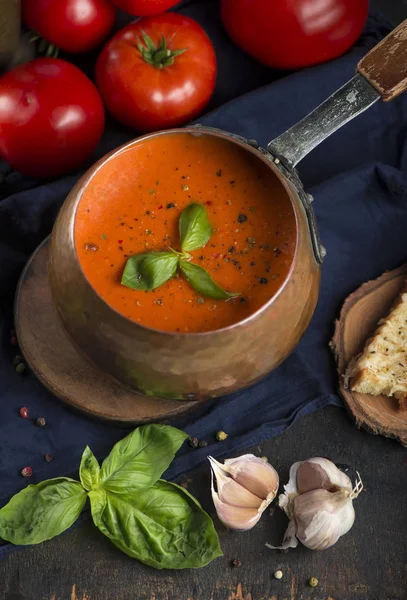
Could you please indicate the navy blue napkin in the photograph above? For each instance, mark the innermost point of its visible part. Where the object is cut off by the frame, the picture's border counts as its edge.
(359, 181)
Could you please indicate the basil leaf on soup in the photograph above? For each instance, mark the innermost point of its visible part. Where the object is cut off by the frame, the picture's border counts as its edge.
(40, 512)
(162, 526)
(138, 460)
(89, 470)
(149, 270)
(202, 282)
(194, 228)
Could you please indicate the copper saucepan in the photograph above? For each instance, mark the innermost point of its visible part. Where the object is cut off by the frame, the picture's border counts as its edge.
(202, 365)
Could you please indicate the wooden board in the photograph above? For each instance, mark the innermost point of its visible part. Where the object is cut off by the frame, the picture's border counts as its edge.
(57, 363)
(368, 563)
(358, 319)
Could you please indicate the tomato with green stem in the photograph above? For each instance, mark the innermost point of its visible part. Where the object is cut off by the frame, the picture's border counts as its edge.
(157, 72)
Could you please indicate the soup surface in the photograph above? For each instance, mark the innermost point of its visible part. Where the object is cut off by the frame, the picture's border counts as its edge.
(133, 204)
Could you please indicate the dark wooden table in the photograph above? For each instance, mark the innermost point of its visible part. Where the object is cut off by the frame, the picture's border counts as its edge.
(369, 563)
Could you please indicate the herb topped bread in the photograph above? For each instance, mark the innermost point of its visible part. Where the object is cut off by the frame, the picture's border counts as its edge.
(381, 369)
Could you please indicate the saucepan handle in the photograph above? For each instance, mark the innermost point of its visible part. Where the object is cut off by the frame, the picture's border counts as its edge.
(381, 74)
(385, 66)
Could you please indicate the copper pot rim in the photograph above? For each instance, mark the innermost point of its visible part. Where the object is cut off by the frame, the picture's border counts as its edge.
(232, 138)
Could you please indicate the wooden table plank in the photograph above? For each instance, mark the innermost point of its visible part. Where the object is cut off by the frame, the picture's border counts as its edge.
(367, 563)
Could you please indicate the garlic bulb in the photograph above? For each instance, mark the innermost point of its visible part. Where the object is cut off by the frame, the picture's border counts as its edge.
(246, 486)
(318, 501)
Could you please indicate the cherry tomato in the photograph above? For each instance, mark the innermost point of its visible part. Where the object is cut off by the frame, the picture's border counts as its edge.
(70, 25)
(145, 8)
(157, 72)
(51, 117)
(290, 34)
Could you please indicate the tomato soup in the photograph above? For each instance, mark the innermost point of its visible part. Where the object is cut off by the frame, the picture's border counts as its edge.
(133, 204)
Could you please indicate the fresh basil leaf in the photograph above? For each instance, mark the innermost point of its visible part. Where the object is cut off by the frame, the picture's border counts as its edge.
(40, 512)
(194, 228)
(98, 499)
(89, 470)
(148, 271)
(162, 526)
(141, 458)
(202, 282)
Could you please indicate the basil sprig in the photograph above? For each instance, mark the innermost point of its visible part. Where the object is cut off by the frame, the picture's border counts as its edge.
(194, 228)
(149, 270)
(40, 512)
(165, 527)
(202, 282)
(152, 520)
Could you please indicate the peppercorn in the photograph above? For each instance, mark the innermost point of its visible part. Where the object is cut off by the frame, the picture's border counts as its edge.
(221, 436)
(313, 582)
(40, 421)
(278, 574)
(263, 280)
(20, 368)
(16, 359)
(170, 205)
(194, 442)
(24, 412)
(242, 218)
(236, 562)
(49, 457)
(202, 444)
(27, 472)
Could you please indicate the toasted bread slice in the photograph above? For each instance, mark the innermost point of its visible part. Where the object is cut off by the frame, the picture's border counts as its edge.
(381, 369)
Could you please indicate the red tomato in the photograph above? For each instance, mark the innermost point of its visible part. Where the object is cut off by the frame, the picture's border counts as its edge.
(70, 25)
(290, 34)
(145, 8)
(161, 87)
(51, 117)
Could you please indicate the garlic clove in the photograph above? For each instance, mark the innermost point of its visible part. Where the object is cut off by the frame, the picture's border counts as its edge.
(321, 473)
(235, 517)
(322, 517)
(230, 491)
(254, 474)
(315, 473)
